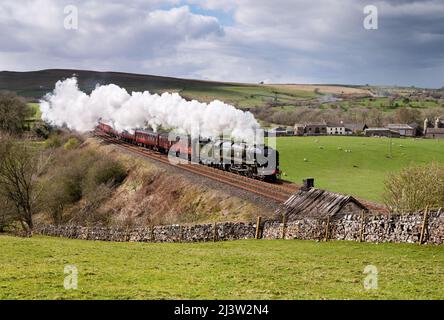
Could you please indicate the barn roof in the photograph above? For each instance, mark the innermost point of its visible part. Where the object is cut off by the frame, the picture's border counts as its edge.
(399, 126)
(435, 131)
(315, 202)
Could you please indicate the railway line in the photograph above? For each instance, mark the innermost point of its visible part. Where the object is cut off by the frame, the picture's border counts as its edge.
(279, 192)
(275, 192)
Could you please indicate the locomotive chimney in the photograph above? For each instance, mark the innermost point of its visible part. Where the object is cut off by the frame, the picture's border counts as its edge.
(307, 184)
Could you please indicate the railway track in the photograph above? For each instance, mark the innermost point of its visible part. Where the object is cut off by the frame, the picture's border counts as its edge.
(276, 192)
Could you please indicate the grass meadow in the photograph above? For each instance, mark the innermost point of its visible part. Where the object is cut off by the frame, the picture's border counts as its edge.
(33, 268)
(353, 165)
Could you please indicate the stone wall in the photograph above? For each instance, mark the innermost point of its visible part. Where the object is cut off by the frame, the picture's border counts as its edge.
(170, 233)
(394, 228)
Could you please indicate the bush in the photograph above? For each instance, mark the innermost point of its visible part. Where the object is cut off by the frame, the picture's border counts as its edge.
(71, 144)
(415, 187)
(53, 142)
(78, 182)
(107, 171)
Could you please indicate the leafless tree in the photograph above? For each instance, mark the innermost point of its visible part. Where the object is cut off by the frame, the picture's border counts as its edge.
(20, 167)
(13, 112)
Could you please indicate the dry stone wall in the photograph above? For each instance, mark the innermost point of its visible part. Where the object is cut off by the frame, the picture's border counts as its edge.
(393, 228)
(170, 233)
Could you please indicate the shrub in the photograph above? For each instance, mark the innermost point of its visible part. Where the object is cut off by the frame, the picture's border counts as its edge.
(107, 170)
(71, 144)
(415, 187)
(79, 182)
(53, 142)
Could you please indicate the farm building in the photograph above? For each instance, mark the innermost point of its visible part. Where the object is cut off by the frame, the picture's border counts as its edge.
(405, 130)
(356, 128)
(281, 131)
(337, 129)
(316, 128)
(311, 129)
(312, 202)
(299, 129)
(437, 132)
(381, 132)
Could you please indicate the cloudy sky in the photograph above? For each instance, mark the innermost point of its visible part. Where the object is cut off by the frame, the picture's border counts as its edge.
(280, 41)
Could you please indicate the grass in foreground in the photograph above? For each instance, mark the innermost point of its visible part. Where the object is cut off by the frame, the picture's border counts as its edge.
(254, 269)
(360, 172)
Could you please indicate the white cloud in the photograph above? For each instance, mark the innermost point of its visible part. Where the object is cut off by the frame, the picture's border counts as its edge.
(282, 41)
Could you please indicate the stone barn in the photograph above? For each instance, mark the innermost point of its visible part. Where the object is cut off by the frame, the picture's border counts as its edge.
(312, 202)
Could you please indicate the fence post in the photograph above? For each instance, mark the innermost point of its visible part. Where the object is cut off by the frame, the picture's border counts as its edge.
(284, 226)
(127, 234)
(327, 227)
(424, 225)
(361, 230)
(215, 232)
(152, 234)
(258, 226)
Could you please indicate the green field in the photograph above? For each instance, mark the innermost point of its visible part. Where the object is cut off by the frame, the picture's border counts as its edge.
(244, 96)
(253, 269)
(360, 172)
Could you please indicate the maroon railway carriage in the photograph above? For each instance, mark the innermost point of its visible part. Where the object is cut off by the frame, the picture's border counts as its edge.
(146, 139)
(126, 136)
(107, 129)
(163, 143)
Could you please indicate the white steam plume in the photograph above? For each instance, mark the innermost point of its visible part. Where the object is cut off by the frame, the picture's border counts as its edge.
(69, 106)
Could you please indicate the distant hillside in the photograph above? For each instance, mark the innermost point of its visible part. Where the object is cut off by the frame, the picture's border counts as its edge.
(272, 104)
(36, 84)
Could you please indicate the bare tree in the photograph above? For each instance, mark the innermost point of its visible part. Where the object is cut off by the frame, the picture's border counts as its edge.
(13, 112)
(20, 167)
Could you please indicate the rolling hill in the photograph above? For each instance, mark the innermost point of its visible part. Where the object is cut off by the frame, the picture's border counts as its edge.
(35, 84)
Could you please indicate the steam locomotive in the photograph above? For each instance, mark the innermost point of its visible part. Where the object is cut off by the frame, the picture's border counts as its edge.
(259, 162)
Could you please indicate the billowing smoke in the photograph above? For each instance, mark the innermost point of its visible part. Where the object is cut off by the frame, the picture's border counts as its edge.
(69, 106)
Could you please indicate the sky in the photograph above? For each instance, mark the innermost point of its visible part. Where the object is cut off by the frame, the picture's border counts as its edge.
(280, 41)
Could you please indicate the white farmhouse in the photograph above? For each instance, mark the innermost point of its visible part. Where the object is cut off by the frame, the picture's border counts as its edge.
(338, 129)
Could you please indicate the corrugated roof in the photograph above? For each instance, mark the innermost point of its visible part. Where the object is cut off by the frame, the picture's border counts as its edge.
(315, 202)
(435, 131)
(399, 126)
(355, 126)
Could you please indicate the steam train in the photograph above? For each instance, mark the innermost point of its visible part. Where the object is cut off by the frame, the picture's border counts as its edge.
(259, 162)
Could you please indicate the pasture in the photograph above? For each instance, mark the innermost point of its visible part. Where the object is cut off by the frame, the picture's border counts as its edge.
(33, 268)
(353, 165)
